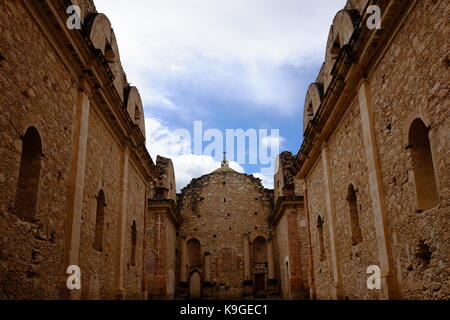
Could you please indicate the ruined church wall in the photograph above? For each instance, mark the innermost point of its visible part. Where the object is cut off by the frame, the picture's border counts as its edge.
(218, 215)
(281, 248)
(163, 260)
(323, 270)
(37, 90)
(136, 196)
(412, 81)
(348, 167)
(103, 172)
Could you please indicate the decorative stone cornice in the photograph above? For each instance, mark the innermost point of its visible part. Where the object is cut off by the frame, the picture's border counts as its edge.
(88, 66)
(284, 203)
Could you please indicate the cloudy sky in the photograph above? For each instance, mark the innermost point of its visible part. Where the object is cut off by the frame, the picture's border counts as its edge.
(232, 64)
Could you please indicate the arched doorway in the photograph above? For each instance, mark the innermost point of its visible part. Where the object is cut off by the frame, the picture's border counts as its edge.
(195, 290)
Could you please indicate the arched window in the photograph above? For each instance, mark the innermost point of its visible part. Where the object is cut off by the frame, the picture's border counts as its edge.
(320, 235)
(27, 193)
(100, 221)
(194, 252)
(354, 216)
(133, 243)
(137, 115)
(422, 163)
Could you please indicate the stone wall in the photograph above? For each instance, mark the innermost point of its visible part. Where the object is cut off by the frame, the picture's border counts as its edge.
(323, 273)
(412, 81)
(220, 210)
(36, 90)
(358, 160)
(348, 167)
(84, 144)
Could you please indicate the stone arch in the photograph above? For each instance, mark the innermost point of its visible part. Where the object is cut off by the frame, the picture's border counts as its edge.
(194, 249)
(427, 195)
(135, 108)
(259, 250)
(344, 24)
(103, 38)
(352, 200)
(313, 101)
(28, 186)
(358, 5)
(99, 221)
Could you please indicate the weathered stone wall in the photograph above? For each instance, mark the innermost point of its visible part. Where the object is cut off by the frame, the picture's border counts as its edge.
(323, 272)
(412, 81)
(36, 90)
(282, 255)
(163, 242)
(102, 173)
(407, 81)
(218, 210)
(135, 213)
(292, 254)
(41, 88)
(348, 167)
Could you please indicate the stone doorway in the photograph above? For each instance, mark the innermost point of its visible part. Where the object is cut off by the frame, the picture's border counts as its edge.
(260, 285)
(195, 286)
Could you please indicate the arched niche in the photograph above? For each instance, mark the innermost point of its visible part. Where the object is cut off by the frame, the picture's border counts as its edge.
(425, 183)
(313, 101)
(28, 186)
(194, 249)
(134, 107)
(259, 250)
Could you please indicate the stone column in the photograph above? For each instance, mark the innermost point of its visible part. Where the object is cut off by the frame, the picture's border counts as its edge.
(207, 267)
(248, 283)
(121, 239)
(390, 288)
(247, 271)
(73, 227)
(271, 264)
(331, 222)
(183, 259)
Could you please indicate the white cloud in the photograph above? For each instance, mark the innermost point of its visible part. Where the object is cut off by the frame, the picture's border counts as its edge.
(267, 180)
(247, 42)
(236, 49)
(164, 142)
(273, 142)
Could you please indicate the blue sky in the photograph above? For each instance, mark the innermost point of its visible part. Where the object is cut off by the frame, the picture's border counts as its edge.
(230, 64)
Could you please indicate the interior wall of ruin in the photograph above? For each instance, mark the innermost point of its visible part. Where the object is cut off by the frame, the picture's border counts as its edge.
(38, 91)
(415, 57)
(219, 209)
